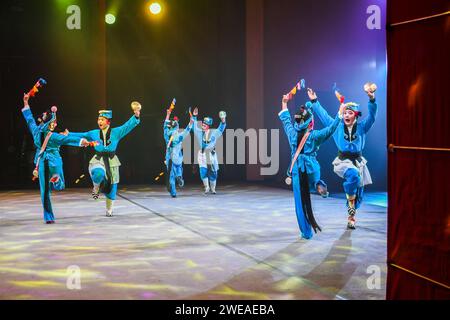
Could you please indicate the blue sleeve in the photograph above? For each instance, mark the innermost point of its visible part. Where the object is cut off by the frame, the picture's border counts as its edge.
(197, 130)
(220, 129)
(285, 118)
(321, 113)
(368, 122)
(166, 131)
(186, 131)
(217, 134)
(321, 135)
(28, 115)
(69, 140)
(126, 128)
(85, 135)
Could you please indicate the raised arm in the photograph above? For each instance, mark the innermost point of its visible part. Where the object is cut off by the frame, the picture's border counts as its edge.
(28, 115)
(223, 124)
(316, 107)
(128, 126)
(368, 122)
(285, 118)
(187, 130)
(322, 135)
(195, 128)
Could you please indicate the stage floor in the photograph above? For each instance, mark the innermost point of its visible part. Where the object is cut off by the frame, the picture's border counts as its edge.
(242, 243)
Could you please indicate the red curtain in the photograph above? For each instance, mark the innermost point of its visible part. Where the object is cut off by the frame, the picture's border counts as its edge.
(419, 180)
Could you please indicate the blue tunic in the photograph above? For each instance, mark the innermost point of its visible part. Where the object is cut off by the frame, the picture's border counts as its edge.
(208, 144)
(351, 144)
(50, 162)
(307, 160)
(174, 152)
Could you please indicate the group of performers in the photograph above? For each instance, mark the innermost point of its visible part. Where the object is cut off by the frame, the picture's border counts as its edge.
(348, 131)
(206, 157)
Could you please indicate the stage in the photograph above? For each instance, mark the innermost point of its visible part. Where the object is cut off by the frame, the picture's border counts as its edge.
(242, 243)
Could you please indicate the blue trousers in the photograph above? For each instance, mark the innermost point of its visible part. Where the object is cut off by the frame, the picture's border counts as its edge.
(98, 176)
(314, 180)
(352, 186)
(46, 187)
(305, 227)
(209, 173)
(176, 170)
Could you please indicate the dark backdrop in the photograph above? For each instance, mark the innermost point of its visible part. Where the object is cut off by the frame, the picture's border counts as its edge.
(195, 52)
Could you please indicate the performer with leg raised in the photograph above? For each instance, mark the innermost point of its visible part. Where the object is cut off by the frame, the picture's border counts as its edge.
(350, 138)
(48, 161)
(174, 154)
(304, 170)
(104, 166)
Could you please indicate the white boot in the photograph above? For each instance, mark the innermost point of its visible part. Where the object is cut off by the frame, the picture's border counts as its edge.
(213, 186)
(109, 207)
(206, 185)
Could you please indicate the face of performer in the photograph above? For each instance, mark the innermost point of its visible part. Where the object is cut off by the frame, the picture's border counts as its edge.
(349, 117)
(52, 125)
(103, 123)
(302, 115)
(205, 127)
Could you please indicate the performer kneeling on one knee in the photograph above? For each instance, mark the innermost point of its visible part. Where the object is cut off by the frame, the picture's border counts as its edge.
(304, 170)
(104, 166)
(174, 154)
(48, 161)
(207, 157)
(350, 138)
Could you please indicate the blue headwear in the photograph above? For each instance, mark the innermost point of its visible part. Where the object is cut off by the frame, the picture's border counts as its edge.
(304, 118)
(105, 114)
(354, 107)
(208, 121)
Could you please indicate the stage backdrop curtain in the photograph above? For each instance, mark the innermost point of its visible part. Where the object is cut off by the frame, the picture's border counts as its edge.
(419, 180)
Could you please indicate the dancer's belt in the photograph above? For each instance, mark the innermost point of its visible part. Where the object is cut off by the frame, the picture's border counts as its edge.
(99, 155)
(352, 156)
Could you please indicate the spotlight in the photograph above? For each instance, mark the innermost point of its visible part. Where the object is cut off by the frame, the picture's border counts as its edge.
(155, 8)
(110, 18)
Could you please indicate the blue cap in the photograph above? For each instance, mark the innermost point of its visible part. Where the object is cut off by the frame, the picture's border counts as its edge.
(208, 121)
(105, 114)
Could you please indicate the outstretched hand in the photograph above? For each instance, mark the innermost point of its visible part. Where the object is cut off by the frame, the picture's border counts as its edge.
(284, 101)
(84, 143)
(26, 97)
(371, 95)
(311, 94)
(195, 112)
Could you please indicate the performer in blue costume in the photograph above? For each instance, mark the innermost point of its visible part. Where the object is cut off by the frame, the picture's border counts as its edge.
(174, 154)
(48, 162)
(104, 166)
(304, 170)
(207, 156)
(350, 138)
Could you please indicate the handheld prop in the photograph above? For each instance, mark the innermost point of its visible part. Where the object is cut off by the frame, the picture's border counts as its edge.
(40, 83)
